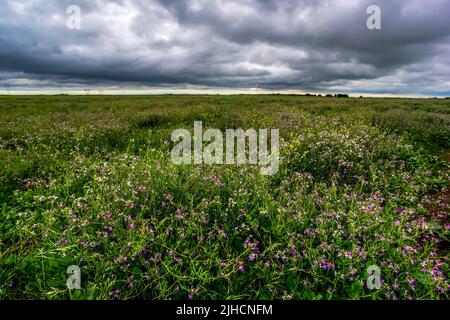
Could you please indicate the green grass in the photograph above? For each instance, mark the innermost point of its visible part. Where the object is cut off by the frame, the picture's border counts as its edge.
(88, 180)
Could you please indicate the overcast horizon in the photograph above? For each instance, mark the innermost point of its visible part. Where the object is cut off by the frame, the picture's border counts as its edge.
(246, 46)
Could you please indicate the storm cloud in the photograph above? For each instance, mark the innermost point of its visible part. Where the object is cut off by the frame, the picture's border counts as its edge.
(321, 45)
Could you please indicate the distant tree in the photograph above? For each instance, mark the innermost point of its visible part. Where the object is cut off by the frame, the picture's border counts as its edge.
(341, 95)
(329, 96)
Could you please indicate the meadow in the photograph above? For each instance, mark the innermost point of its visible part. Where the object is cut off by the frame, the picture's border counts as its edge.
(88, 181)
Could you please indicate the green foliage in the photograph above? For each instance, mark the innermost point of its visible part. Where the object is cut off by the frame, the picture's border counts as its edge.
(89, 181)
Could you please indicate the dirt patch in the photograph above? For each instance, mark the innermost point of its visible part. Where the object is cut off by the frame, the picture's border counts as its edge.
(446, 155)
(439, 207)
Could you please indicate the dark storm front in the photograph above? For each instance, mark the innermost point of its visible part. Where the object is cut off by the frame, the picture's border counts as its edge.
(225, 310)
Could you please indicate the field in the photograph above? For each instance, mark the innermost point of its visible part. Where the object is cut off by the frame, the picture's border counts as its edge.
(88, 181)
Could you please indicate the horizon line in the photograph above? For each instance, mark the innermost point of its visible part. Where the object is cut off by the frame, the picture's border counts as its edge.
(210, 92)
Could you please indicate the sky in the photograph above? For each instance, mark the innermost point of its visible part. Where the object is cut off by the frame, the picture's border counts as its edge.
(225, 46)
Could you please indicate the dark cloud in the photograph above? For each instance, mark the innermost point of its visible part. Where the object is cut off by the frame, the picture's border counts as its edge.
(271, 44)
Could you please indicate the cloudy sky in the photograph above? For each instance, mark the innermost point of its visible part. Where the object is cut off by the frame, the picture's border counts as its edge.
(226, 45)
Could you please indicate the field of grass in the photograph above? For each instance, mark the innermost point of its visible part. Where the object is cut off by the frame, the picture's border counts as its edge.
(88, 181)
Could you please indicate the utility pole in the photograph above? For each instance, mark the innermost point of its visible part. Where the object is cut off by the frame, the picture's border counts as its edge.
(8, 89)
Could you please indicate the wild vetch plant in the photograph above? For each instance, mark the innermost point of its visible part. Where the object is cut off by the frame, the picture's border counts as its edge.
(89, 181)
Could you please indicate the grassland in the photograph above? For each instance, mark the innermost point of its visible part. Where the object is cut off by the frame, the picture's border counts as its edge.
(88, 181)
